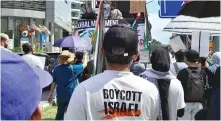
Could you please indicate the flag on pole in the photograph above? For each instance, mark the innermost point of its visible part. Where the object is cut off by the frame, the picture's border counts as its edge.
(99, 63)
(135, 23)
(147, 33)
(100, 66)
(135, 27)
(95, 39)
(145, 41)
(95, 34)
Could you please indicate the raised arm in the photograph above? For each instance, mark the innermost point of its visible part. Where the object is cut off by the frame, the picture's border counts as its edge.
(85, 60)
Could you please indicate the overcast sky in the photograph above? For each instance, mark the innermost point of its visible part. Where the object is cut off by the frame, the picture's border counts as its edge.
(158, 23)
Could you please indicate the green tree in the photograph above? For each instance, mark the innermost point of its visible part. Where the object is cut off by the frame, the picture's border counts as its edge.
(155, 43)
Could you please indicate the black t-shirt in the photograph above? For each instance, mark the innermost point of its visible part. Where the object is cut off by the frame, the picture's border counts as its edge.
(183, 76)
(210, 76)
(217, 78)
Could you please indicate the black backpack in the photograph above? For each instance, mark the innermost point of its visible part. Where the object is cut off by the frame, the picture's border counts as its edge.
(195, 86)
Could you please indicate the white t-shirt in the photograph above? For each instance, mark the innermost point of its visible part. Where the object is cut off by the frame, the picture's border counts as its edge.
(114, 95)
(181, 66)
(33, 60)
(176, 94)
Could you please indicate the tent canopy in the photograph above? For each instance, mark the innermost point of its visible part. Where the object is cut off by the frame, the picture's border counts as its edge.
(186, 25)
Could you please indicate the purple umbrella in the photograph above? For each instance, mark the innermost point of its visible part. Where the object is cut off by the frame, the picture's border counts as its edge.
(79, 44)
(65, 42)
(82, 44)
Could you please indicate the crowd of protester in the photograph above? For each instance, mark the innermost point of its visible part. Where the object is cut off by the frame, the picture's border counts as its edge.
(188, 89)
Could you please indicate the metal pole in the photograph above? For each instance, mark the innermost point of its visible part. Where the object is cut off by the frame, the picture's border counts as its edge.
(51, 37)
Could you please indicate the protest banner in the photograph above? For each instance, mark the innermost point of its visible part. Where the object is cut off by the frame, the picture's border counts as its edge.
(86, 28)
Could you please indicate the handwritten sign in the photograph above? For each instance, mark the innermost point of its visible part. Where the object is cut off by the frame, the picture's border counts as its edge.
(137, 6)
(177, 44)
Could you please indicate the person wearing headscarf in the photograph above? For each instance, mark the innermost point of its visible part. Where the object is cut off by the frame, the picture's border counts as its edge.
(210, 73)
(65, 80)
(216, 58)
(170, 89)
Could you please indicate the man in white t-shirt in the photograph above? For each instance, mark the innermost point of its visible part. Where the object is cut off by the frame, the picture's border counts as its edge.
(179, 65)
(115, 94)
(31, 59)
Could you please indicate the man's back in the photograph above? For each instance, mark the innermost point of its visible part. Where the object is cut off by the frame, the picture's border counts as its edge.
(114, 95)
(33, 60)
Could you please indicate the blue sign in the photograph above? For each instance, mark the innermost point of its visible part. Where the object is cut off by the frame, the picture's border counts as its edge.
(43, 37)
(170, 8)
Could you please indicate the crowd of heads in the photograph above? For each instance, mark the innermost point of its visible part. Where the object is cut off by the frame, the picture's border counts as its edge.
(120, 48)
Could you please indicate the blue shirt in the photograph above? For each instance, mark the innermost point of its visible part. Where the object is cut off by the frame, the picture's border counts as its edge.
(63, 76)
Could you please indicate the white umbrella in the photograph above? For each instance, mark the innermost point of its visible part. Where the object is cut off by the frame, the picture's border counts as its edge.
(186, 25)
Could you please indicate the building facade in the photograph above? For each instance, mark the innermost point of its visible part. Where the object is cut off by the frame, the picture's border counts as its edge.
(15, 13)
(58, 20)
(75, 12)
(49, 14)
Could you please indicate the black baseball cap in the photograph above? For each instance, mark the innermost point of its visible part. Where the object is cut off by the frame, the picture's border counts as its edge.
(120, 37)
(192, 56)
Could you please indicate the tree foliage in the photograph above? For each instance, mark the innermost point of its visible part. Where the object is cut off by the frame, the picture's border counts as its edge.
(155, 43)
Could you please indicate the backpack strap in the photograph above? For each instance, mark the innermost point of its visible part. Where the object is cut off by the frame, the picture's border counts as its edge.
(188, 70)
(176, 67)
(163, 85)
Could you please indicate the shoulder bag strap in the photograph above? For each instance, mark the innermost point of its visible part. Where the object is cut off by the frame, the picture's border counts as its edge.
(74, 77)
(176, 67)
(188, 70)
